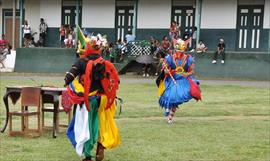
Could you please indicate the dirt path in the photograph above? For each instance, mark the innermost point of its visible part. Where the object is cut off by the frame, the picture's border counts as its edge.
(130, 79)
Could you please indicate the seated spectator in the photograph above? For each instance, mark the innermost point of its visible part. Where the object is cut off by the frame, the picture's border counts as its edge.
(220, 51)
(201, 48)
(129, 37)
(4, 51)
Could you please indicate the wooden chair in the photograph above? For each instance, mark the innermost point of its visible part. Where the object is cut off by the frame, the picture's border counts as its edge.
(47, 106)
(30, 97)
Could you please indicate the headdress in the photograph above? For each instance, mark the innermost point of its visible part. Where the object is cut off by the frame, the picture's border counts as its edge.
(90, 45)
(180, 45)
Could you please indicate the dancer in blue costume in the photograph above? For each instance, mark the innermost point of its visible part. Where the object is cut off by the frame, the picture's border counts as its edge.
(177, 84)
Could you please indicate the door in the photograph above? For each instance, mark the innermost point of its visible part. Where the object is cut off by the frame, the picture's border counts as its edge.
(124, 21)
(69, 15)
(185, 16)
(8, 30)
(249, 26)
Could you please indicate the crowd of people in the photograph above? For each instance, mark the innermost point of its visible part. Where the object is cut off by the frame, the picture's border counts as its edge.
(117, 51)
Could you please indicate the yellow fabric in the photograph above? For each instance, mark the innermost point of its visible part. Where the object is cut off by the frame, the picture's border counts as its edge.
(78, 86)
(108, 132)
(80, 89)
(161, 88)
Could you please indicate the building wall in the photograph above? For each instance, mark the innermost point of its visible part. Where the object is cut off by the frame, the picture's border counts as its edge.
(32, 15)
(98, 13)
(266, 23)
(219, 14)
(154, 17)
(154, 14)
(53, 17)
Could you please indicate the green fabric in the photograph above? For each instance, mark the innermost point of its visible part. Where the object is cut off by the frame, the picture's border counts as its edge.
(81, 37)
(93, 122)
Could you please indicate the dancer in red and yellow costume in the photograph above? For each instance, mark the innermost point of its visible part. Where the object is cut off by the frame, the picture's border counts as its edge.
(92, 83)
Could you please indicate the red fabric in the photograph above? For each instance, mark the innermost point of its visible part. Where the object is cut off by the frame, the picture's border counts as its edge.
(87, 83)
(87, 79)
(195, 91)
(73, 97)
(66, 101)
(110, 84)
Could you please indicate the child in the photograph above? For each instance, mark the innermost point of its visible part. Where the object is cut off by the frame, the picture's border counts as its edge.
(201, 48)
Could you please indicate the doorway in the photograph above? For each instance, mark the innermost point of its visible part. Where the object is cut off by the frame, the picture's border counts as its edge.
(249, 26)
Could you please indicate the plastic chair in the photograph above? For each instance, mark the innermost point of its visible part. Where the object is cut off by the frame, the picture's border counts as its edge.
(30, 97)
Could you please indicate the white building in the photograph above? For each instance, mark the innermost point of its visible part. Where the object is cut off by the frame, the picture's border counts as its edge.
(243, 24)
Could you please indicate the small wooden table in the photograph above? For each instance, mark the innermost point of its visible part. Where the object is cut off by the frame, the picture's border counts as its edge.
(49, 95)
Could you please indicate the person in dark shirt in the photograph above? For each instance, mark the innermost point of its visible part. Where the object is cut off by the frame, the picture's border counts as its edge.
(220, 51)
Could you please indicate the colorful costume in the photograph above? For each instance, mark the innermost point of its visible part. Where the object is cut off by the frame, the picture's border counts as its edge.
(176, 83)
(92, 83)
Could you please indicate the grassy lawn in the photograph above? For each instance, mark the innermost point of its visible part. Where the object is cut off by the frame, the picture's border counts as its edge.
(231, 123)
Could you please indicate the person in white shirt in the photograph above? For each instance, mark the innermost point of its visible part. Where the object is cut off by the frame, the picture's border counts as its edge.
(26, 33)
(201, 48)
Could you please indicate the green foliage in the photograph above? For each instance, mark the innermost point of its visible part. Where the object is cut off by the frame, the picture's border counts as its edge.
(231, 123)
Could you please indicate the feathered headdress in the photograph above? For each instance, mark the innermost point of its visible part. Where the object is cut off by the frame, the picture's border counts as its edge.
(91, 44)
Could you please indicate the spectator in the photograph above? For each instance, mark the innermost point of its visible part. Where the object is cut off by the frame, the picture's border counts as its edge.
(4, 50)
(194, 37)
(162, 52)
(173, 30)
(70, 41)
(129, 37)
(220, 51)
(201, 48)
(62, 31)
(124, 49)
(85, 32)
(4, 40)
(43, 27)
(26, 33)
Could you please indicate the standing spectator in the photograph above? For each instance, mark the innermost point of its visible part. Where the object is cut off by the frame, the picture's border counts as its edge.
(70, 41)
(62, 31)
(162, 52)
(178, 29)
(124, 50)
(43, 27)
(118, 46)
(173, 30)
(194, 37)
(220, 51)
(26, 33)
(201, 48)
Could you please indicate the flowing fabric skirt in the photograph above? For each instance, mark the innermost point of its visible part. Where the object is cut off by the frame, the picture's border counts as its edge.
(174, 94)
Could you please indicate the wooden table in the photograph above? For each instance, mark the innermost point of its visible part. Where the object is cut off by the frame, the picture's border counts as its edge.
(49, 95)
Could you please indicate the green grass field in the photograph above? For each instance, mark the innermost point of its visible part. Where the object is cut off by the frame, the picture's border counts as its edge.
(232, 123)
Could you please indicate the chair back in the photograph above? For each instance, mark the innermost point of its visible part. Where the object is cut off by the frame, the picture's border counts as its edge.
(30, 96)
